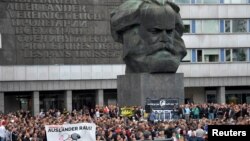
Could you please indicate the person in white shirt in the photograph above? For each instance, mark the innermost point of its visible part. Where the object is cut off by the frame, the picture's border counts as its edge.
(2, 131)
(187, 112)
(97, 113)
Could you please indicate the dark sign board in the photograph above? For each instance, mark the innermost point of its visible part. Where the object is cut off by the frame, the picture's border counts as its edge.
(163, 109)
(162, 104)
(57, 32)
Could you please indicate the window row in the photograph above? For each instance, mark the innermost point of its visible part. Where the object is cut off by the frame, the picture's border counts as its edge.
(211, 1)
(217, 26)
(217, 55)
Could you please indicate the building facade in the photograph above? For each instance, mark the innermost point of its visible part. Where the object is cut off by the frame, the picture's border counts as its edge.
(35, 74)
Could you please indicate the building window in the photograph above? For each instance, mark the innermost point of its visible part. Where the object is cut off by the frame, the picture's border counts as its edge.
(228, 55)
(227, 26)
(207, 55)
(198, 26)
(235, 1)
(236, 25)
(182, 1)
(207, 1)
(239, 25)
(211, 55)
(187, 58)
(207, 26)
(199, 55)
(236, 54)
(216, 26)
(239, 54)
(210, 26)
(187, 26)
(211, 58)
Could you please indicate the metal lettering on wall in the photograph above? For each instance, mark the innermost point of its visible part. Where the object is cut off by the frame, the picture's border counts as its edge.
(58, 32)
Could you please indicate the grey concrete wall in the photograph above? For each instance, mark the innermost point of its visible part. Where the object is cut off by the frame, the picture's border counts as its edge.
(221, 95)
(133, 89)
(11, 86)
(60, 72)
(57, 85)
(68, 100)
(216, 81)
(99, 97)
(108, 72)
(95, 25)
(36, 103)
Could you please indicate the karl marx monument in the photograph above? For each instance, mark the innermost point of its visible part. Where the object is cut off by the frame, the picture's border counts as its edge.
(150, 31)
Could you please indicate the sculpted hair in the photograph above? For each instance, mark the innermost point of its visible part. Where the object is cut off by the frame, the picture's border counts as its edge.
(127, 16)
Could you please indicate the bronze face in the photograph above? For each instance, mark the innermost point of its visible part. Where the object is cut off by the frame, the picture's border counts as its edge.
(154, 44)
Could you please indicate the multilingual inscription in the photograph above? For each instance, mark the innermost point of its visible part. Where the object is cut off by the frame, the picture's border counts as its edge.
(66, 29)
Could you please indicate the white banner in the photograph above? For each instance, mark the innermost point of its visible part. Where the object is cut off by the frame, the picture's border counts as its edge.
(71, 132)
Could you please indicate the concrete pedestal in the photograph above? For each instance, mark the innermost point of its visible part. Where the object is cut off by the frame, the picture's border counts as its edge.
(133, 89)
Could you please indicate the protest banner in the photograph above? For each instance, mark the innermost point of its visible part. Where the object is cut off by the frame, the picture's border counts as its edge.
(127, 111)
(71, 132)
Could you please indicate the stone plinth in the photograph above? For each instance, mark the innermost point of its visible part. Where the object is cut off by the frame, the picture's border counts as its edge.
(134, 88)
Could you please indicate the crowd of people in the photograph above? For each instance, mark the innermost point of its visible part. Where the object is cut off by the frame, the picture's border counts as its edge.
(191, 124)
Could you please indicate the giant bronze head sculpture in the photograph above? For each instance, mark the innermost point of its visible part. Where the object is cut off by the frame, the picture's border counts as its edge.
(150, 31)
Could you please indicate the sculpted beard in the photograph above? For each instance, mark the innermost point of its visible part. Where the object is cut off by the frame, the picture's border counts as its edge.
(157, 57)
